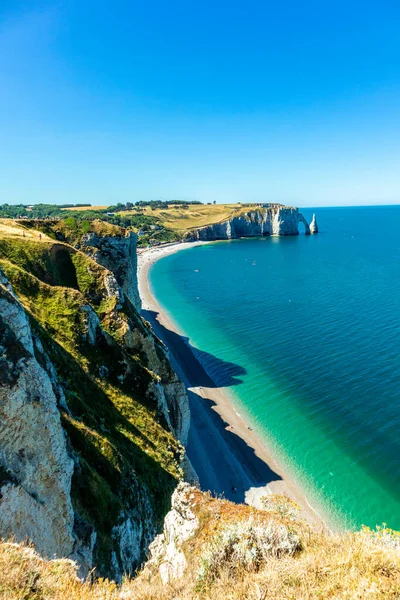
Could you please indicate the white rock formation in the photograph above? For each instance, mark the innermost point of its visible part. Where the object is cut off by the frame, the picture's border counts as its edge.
(314, 225)
(180, 525)
(263, 221)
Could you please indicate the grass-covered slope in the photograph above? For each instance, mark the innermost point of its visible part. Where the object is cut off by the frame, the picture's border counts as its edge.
(258, 564)
(182, 218)
(121, 444)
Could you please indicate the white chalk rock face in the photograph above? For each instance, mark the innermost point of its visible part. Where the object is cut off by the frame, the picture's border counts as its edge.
(118, 255)
(35, 468)
(180, 525)
(314, 225)
(264, 221)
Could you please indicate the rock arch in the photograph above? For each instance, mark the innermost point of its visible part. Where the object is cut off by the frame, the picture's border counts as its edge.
(306, 225)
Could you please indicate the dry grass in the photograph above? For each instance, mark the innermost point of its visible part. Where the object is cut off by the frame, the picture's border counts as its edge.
(341, 566)
(361, 565)
(24, 575)
(347, 566)
(81, 208)
(16, 230)
(196, 215)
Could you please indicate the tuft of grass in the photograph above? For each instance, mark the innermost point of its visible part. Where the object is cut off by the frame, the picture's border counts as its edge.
(245, 546)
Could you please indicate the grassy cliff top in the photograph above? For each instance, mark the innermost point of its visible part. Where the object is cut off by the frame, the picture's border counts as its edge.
(181, 218)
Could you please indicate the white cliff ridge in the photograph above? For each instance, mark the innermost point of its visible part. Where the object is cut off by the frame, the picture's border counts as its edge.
(275, 220)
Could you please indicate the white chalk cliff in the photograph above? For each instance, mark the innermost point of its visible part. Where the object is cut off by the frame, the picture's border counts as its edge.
(273, 220)
(41, 467)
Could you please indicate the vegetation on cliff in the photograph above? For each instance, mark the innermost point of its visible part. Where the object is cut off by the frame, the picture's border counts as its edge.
(156, 221)
(120, 441)
(292, 562)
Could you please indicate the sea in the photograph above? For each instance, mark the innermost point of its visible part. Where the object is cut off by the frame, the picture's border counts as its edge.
(304, 334)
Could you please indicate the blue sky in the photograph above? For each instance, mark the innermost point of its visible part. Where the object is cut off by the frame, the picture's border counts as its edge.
(287, 101)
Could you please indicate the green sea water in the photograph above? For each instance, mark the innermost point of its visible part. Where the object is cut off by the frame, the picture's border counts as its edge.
(304, 334)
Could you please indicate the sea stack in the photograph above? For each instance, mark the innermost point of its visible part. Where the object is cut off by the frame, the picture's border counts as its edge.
(313, 225)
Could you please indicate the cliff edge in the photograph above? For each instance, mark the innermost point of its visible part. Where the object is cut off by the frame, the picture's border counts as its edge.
(93, 417)
(211, 549)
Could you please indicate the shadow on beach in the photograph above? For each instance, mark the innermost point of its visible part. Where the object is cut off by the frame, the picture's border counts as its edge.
(225, 464)
(216, 469)
(191, 360)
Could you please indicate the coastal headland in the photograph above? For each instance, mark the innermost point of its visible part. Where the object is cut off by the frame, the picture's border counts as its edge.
(228, 456)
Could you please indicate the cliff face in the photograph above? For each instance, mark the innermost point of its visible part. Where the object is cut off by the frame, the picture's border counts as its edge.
(118, 255)
(274, 220)
(91, 409)
(36, 469)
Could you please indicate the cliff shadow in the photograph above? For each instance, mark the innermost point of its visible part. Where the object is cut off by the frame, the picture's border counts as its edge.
(224, 462)
(190, 359)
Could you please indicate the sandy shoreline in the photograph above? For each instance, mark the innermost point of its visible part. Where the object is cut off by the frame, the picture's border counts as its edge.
(228, 456)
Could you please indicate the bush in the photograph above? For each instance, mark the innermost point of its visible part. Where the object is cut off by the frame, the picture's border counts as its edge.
(281, 506)
(245, 546)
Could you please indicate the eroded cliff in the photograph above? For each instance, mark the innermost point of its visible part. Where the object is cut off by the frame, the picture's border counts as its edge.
(91, 409)
(259, 222)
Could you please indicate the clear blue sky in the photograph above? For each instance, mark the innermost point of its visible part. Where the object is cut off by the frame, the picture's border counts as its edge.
(114, 101)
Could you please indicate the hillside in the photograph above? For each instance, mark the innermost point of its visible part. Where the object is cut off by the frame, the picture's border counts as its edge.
(107, 379)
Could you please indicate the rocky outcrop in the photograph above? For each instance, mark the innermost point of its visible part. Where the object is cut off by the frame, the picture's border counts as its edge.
(117, 253)
(314, 225)
(180, 524)
(263, 221)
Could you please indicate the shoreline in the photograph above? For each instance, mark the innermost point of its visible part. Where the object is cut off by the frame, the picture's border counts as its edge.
(228, 456)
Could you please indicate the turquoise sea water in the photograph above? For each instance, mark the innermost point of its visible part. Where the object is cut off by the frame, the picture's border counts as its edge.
(305, 333)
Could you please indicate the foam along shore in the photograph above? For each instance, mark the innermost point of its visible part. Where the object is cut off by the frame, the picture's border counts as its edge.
(228, 456)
